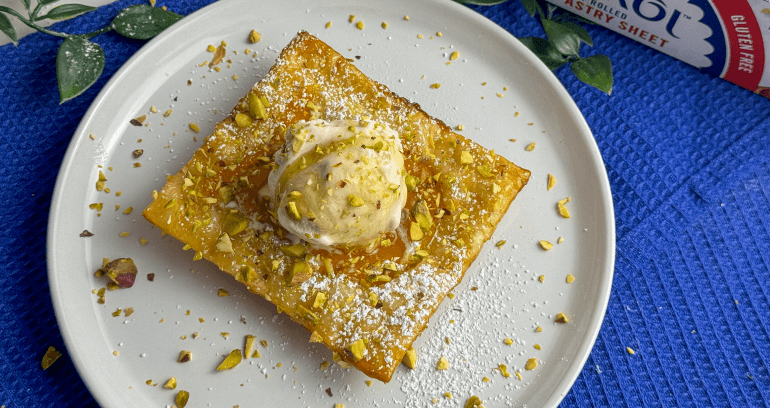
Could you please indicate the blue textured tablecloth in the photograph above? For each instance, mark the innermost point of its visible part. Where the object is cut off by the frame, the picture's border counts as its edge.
(688, 158)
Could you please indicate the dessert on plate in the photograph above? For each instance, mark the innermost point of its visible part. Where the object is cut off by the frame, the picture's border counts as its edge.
(345, 205)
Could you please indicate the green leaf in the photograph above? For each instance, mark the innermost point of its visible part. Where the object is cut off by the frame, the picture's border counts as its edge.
(26, 4)
(45, 2)
(79, 64)
(580, 32)
(66, 11)
(561, 37)
(7, 27)
(543, 49)
(143, 22)
(530, 6)
(596, 71)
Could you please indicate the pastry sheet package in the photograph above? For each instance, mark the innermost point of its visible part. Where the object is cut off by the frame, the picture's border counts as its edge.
(726, 38)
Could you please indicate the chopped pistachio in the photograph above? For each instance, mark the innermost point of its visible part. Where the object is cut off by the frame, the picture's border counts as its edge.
(546, 245)
(122, 272)
(320, 299)
(307, 314)
(530, 147)
(170, 384)
(411, 182)
(504, 370)
(455, 55)
(293, 211)
(294, 251)
(181, 399)
(485, 171)
(415, 232)
(537, 346)
(51, 355)
(551, 181)
(541, 278)
(232, 360)
(223, 293)
(443, 364)
(184, 356)
(360, 25)
(235, 223)
(561, 318)
(531, 364)
(630, 350)
(248, 348)
(435, 86)
(254, 36)
(500, 243)
(224, 244)
(538, 329)
(355, 201)
(329, 267)
(246, 274)
(508, 341)
(466, 157)
(473, 402)
(570, 278)
(257, 106)
(410, 358)
(384, 25)
(243, 120)
(195, 128)
(316, 338)
(421, 214)
(562, 207)
(357, 349)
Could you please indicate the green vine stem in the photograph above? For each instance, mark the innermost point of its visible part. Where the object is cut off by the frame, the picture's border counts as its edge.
(31, 24)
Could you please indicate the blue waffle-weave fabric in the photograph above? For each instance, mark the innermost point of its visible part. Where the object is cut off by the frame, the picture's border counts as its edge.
(688, 158)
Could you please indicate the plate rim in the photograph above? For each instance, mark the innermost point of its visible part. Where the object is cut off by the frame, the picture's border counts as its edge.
(101, 395)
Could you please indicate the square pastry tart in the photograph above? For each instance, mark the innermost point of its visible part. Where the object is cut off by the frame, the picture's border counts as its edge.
(345, 205)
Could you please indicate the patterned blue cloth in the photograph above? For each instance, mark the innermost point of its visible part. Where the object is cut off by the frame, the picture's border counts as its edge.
(688, 157)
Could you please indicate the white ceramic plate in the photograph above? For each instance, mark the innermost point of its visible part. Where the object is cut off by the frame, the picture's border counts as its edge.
(509, 302)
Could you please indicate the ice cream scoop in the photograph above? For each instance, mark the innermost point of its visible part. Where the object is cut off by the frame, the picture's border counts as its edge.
(339, 183)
